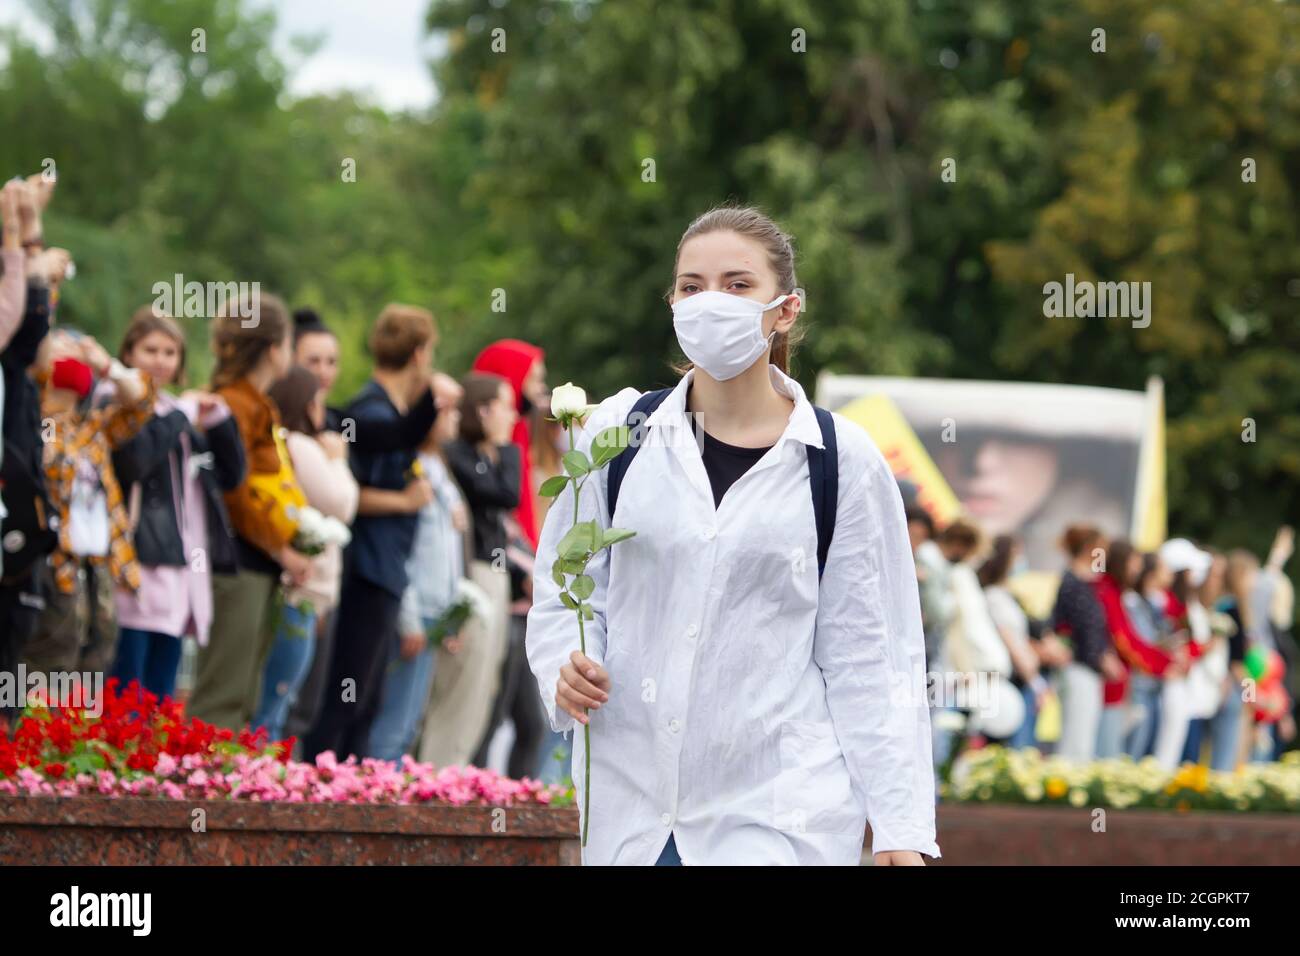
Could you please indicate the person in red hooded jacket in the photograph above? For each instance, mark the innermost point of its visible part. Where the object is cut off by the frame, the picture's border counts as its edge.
(1123, 565)
(523, 366)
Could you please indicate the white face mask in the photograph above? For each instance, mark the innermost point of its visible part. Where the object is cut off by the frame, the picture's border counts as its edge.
(722, 333)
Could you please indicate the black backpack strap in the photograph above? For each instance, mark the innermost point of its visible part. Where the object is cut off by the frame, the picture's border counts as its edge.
(824, 477)
(641, 410)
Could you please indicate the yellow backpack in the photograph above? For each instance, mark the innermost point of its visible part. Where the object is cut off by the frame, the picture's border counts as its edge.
(277, 496)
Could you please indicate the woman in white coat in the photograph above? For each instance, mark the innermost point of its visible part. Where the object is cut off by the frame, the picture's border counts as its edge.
(741, 710)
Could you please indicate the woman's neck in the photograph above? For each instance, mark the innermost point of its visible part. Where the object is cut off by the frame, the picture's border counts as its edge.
(262, 377)
(746, 410)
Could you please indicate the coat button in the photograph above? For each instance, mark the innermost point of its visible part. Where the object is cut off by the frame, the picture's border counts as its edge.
(666, 819)
(710, 534)
(692, 630)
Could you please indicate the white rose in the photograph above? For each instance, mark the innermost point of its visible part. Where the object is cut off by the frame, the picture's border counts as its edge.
(309, 521)
(335, 531)
(568, 399)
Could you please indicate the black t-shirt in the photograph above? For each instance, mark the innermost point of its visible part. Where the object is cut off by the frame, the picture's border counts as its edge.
(725, 463)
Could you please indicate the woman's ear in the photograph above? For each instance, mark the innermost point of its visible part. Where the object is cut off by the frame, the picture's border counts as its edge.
(789, 311)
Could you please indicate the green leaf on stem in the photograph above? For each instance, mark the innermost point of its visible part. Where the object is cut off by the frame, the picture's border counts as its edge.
(575, 543)
(557, 572)
(584, 585)
(576, 463)
(567, 600)
(614, 535)
(553, 486)
(608, 444)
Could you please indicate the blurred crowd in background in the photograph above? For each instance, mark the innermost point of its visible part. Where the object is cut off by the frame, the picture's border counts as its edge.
(1182, 654)
(358, 577)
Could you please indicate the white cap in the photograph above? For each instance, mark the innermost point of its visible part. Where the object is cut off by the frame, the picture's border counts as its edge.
(1179, 554)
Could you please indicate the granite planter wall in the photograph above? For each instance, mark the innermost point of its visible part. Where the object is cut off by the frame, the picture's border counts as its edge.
(983, 834)
(131, 831)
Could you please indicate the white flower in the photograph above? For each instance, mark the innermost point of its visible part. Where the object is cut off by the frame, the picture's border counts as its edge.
(316, 531)
(336, 532)
(568, 401)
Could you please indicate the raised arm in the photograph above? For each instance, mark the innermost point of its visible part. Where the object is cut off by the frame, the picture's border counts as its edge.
(13, 284)
(374, 432)
(13, 294)
(140, 455)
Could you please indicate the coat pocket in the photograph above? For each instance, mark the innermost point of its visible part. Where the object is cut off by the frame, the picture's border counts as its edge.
(814, 793)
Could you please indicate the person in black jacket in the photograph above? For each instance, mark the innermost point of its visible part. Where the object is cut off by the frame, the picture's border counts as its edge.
(173, 474)
(25, 535)
(385, 425)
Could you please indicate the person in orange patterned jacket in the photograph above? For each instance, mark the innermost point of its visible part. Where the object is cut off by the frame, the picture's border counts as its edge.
(76, 630)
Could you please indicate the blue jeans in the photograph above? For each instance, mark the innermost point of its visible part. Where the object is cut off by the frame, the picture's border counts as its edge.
(150, 657)
(1144, 693)
(669, 856)
(1024, 737)
(1192, 748)
(402, 702)
(286, 669)
(1225, 731)
(1110, 731)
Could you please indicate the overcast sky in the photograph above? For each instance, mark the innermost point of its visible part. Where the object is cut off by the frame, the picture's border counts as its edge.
(375, 46)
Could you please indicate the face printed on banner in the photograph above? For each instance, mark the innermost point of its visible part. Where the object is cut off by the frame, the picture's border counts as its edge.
(1002, 482)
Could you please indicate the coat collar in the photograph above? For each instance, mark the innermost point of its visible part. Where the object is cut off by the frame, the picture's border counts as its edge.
(802, 426)
(670, 425)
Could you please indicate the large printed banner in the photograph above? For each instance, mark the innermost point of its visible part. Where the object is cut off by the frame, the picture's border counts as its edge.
(907, 457)
(1020, 458)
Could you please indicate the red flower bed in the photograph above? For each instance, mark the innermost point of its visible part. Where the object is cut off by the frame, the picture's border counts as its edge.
(137, 745)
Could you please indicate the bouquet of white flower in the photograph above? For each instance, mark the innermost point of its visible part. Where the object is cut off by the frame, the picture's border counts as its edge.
(316, 532)
(470, 601)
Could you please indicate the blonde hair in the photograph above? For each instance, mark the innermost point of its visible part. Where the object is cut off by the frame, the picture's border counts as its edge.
(1236, 578)
(752, 223)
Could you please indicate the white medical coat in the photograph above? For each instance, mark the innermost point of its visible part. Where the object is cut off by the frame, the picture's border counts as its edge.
(758, 717)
